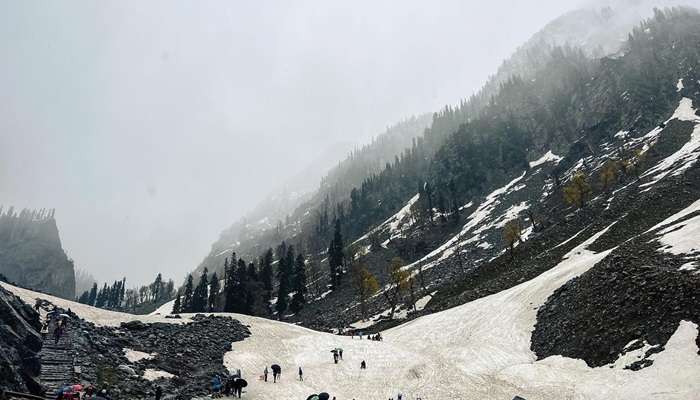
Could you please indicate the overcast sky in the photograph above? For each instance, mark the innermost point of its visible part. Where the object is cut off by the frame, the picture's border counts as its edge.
(151, 126)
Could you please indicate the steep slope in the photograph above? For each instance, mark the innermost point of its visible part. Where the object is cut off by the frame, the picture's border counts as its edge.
(292, 210)
(627, 125)
(31, 254)
(20, 344)
(598, 30)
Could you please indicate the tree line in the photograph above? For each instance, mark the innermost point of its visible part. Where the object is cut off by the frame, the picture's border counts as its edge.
(117, 297)
(248, 287)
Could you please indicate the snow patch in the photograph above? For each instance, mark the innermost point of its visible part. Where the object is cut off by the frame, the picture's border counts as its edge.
(165, 309)
(683, 237)
(547, 157)
(153, 374)
(392, 222)
(135, 356)
(687, 155)
(679, 85)
(622, 134)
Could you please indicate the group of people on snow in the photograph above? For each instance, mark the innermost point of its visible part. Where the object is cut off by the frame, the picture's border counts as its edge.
(229, 386)
(377, 337)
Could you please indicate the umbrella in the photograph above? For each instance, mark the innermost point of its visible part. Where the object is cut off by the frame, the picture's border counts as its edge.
(312, 397)
(334, 351)
(240, 382)
(323, 396)
(276, 367)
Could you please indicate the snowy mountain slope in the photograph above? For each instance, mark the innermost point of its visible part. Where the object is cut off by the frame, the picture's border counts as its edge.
(474, 351)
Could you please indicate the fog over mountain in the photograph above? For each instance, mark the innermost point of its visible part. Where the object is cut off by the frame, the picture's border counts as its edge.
(151, 126)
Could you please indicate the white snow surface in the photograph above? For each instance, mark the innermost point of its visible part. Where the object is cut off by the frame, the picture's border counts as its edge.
(479, 350)
(682, 237)
(393, 222)
(165, 309)
(622, 134)
(153, 374)
(135, 356)
(679, 85)
(547, 157)
(687, 155)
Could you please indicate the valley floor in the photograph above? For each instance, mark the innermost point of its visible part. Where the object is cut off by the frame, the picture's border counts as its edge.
(480, 350)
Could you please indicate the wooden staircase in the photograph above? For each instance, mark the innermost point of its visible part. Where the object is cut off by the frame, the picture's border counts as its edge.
(58, 361)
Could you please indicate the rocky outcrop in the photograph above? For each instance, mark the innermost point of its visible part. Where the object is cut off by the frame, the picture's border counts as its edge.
(638, 294)
(31, 255)
(20, 344)
(188, 355)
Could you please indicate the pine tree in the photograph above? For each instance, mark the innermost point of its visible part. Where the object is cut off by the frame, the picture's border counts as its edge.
(93, 295)
(177, 308)
(266, 278)
(101, 297)
(242, 288)
(299, 299)
(283, 275)
(200, 295)
(213, 303)
(336, 256)
(189, 293)
(83, 299)
(252, 272)
(157, 288)
(266, 271)
(229, 284)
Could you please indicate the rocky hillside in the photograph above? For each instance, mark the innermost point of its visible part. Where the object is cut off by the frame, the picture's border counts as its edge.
(20, 344)
(628, 131)
(31, 254)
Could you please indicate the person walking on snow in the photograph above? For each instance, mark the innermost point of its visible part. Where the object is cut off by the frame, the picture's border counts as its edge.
(301, 375)
(159, 392)
(340, 353)
(276, 373)
(265, 374)
(363, 365)
(335, 358)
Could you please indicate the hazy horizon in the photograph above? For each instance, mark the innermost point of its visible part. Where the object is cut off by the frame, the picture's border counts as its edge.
(151, 127)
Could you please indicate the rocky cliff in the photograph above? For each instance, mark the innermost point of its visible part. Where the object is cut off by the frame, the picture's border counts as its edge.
(31, 254)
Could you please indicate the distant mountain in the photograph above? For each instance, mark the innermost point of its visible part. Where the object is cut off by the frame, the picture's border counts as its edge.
(31, 254)
(281, 213)
(575, 147)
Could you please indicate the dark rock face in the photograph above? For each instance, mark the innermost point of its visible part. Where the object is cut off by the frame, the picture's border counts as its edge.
(193, 352)
(624, 298)
(637, 293)
(20, 344)
(31, 255)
